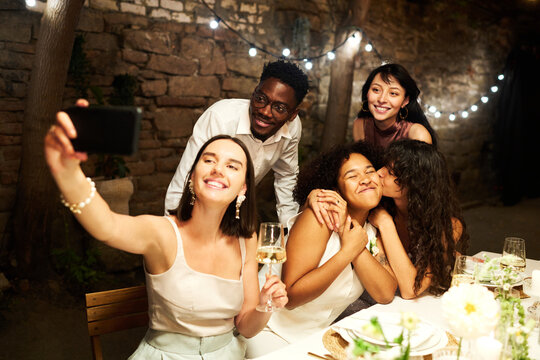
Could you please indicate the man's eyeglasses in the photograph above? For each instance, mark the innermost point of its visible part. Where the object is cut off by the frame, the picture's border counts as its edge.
(279, 110)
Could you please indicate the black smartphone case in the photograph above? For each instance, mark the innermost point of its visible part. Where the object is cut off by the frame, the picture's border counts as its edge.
(106, 129)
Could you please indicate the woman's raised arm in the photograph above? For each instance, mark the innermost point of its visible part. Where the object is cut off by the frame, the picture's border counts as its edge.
(138, 235)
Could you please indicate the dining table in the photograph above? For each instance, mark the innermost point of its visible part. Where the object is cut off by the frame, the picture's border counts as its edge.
(427, 307)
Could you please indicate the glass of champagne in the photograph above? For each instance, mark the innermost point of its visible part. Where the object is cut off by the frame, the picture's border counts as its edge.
(464, 270)
(513, 255)
(270, 250)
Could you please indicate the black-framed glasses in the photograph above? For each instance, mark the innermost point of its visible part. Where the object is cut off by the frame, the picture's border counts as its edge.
(279, 109)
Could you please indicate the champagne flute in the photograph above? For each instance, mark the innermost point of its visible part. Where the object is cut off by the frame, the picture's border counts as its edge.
(513, 255)
(464, 271)
(270, 250)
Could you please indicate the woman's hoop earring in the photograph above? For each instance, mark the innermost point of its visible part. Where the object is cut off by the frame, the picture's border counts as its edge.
(239, 200)
(193, 197)
(362, 107)
(401, 116)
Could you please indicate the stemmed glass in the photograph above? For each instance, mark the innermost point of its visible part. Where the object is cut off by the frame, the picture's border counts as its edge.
(513, 255)
(464, 270)
(270, 250)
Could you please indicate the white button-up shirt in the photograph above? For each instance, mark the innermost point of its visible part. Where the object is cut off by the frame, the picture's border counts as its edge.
(279, 152)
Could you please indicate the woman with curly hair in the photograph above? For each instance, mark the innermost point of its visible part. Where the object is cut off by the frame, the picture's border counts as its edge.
(328, 270)
(421, 226)
(390, 109)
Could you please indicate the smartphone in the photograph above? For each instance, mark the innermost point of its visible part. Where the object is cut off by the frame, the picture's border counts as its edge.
(106, 129)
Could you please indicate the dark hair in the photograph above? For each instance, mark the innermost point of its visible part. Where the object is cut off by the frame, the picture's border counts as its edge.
(322, 172)
(247, 224)
(415, 113)
(288, 73)
(431, 205)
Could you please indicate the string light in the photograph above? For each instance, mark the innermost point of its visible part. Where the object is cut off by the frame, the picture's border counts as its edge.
(438, 114)
(355, 38)
(452, 117)
(464, 114)
(30, 3)
(214, 24)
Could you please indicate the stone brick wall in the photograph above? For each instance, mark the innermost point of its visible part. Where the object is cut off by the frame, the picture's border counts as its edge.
(182, 67)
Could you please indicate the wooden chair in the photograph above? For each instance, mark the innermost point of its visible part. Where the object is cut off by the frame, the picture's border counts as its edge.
(115, 310)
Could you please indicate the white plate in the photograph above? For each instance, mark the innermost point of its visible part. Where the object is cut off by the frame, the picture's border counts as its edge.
(425, 340)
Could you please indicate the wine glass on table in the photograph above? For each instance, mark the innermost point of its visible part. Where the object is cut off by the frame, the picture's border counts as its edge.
(464, 270)
(513, 255)
(270, 250)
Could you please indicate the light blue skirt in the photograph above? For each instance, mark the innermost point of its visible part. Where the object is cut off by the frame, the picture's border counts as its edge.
(162, 345)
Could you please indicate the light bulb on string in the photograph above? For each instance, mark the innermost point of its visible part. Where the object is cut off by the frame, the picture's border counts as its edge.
(309, 64)
(432, 109)
(368, 47)
(331, 55)
(214, 24)
(464, 114)
(484, 99)
(252, 51)
(286, 52)
(494, 88)
(452, 117)
(30, 3)
(474, 107)
(500, 77)
(354, 39)
(438, 114)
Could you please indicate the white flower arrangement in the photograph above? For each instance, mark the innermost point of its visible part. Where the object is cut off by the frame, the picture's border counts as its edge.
(360, 349)
(372, 245)
(470, 310)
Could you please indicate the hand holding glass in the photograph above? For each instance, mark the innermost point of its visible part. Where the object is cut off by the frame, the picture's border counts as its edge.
(270, 250)
(513, 255)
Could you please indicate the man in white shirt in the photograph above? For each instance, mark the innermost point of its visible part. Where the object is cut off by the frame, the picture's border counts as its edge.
(268, 124)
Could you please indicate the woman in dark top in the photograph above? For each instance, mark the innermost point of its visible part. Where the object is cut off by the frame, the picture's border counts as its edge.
(390, 110)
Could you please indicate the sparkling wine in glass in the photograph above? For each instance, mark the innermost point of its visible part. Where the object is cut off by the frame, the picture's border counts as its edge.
(270, 250)
(513, 255)
(464, 271)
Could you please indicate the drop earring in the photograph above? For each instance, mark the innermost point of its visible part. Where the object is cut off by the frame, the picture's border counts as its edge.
(239, 200)
(190, 186)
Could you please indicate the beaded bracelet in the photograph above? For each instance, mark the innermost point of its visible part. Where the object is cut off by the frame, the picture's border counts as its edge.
(77, 207)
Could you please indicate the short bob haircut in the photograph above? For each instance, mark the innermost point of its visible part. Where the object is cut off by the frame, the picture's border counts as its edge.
(322, 172)
(230, 226)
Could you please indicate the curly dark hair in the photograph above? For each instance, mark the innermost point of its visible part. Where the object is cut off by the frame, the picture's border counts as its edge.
(288, 73)
(414, 111)
(431, 205)
(322, 172)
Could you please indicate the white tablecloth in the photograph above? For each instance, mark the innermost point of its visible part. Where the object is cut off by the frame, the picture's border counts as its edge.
(427, 307)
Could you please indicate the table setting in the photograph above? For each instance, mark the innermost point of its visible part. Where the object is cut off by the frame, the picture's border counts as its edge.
(490, 312)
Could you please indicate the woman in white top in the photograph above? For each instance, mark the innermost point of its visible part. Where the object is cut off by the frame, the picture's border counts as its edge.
(328, 270)
(200, 264)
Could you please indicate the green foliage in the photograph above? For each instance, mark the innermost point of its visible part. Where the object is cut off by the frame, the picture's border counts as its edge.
(111, 166)
(79, 67)
(79, 270)
(124, 90)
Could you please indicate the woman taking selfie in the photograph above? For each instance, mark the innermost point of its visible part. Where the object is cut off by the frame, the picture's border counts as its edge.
(390, 110)
(421, 225)
(201, 284)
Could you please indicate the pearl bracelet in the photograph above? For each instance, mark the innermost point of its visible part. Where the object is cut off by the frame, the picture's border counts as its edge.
(77, 207)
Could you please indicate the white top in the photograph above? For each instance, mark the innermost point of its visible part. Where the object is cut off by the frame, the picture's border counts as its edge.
(279, 152)
(185, 301)
(293, 325)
